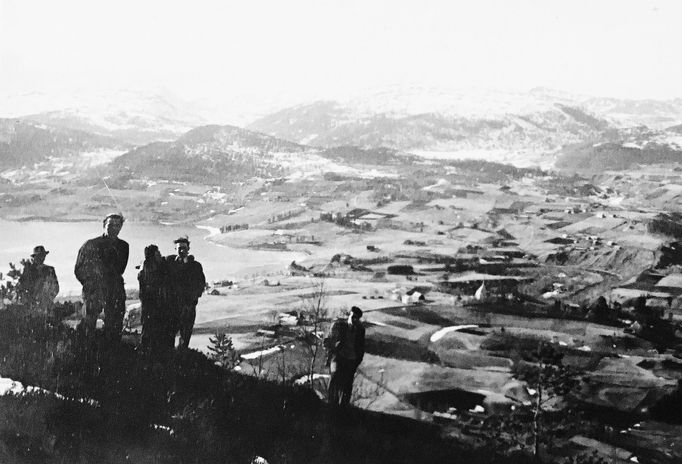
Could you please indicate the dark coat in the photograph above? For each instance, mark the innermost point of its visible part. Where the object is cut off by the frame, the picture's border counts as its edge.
(337, 339)
(187, 279)
(38, 286)
(100, 264)
(155, 287)
(158, 318)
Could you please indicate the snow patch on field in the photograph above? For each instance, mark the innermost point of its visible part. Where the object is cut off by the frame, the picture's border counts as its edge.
(516, 158)
(442, 332)
(212, 231)
(309, 164)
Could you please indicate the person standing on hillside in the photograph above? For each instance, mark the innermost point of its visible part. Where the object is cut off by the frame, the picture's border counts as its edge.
(155, 290)
(188, 283)
(99, 268)
(38, 284)
(346, 348)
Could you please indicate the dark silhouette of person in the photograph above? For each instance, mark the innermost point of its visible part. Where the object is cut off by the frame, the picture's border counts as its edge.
(188, 283)
(158, 321)
(38, 285)
(99, 268)
(346, 345)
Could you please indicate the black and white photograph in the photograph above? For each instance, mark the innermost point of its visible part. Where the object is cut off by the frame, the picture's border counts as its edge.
(339, 232)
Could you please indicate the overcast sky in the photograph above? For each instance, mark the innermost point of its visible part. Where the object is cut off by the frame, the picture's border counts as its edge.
(319, 48)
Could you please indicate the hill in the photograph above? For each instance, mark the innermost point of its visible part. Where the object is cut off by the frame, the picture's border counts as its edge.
(24, 143)
(115, 404)
(642, 148)
(208, 154)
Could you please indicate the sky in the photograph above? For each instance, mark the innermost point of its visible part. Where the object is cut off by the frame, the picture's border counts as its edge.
(304, 49)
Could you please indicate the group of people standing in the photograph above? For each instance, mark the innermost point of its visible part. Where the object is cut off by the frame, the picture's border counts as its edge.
(170, 287)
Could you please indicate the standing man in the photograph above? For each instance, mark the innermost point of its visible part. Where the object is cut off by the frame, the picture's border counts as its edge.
(346, 350)
(99, 268)
(188, 283)
(38, 285)
(158, 324)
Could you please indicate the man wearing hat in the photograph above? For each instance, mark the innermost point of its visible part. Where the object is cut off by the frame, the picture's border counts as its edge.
(38, 285)
(188, 283)
(99, 268)
(346, 348)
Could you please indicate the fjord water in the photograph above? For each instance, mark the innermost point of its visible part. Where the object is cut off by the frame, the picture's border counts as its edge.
(63, 239)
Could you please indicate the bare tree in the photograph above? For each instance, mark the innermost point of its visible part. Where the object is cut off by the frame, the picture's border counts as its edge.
(313, 323)
(540, 422)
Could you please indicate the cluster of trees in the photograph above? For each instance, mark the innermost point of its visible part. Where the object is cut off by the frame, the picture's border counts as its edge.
(494, 172)
(669, 224)
(285, 215)
(588, 157)
(233, 227)
(345, 221)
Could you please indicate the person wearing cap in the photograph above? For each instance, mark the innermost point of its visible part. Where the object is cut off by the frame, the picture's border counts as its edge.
(346, 348)
(188, 283)
(38, 284)
(99, 268)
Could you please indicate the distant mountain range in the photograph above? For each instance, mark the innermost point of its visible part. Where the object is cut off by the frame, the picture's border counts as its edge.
(534, 128)
(537, 128)
(329, 124)
(132, 117)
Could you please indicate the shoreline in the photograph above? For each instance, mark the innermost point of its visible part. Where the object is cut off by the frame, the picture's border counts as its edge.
(221, 261)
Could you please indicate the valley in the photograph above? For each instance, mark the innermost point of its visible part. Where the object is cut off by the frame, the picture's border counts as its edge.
(463, 267)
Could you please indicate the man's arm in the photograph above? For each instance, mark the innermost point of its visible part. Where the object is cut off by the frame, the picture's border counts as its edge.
(124, 251)
(52, 284)
(78, 269)
(200, 279)
(89, 263)
(360, 344)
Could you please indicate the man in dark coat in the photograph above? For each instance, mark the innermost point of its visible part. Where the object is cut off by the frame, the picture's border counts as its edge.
(38, 285)
(99, 268)
(188, 283)
(346, 346)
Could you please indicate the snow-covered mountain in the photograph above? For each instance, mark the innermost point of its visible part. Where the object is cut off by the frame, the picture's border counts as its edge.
(655, 114)
(130, 116)
(522, 128)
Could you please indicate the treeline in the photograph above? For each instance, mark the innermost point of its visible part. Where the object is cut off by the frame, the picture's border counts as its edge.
(233, 227)
(614, 156)
(493, 171)
(669, 224)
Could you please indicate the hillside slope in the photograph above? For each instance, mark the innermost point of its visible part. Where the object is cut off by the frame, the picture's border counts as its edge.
(24, 143)
(208, 154)
(330, 124)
